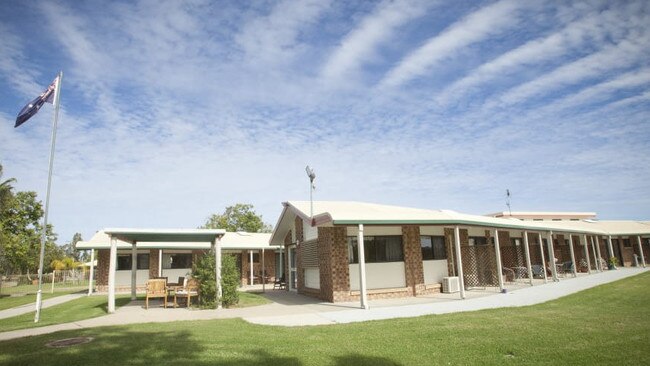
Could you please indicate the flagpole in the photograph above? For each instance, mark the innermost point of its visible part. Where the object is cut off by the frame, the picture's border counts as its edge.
(57, 97)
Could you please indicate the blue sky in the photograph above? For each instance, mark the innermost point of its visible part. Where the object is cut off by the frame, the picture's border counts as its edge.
(173, 110)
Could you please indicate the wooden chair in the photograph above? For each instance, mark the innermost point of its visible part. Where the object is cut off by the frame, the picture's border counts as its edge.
(188, 291)
(156, 288)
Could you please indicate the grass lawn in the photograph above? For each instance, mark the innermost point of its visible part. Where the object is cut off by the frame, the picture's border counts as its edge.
(82, 308)
(8, 302)
(609, 324)
(247, 299)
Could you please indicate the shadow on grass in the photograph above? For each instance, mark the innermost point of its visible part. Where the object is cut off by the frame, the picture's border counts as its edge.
(118, 347)
(361, 360)
(119, 302)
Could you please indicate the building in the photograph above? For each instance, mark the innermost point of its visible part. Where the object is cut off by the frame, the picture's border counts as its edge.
(351, 251)
(174, 259)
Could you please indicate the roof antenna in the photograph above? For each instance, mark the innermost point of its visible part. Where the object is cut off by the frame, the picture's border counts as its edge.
(508, 201)
(312, 176)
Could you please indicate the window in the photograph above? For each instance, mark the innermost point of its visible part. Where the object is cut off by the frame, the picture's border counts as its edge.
(478, 240)
(626, 243)
(124, 262)
(433, 247)
(378, 249)
(256, 257)
(177, 260)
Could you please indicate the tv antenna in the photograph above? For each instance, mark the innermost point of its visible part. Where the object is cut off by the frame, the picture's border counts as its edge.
(312, 176)
(508, 201)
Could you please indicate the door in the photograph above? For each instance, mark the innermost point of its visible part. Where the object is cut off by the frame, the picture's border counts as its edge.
(293, 278)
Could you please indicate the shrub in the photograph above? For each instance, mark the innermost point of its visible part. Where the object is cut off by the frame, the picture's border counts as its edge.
(204, 272)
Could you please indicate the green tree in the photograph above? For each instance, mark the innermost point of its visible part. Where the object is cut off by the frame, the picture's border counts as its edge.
(240, 217)
(6, 193)
(70, 248)
(21, 233)
(204, 272)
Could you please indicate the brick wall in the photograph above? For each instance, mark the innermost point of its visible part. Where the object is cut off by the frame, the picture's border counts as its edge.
(414, 271)
(101, 276)
(153, 263)
(300, 271)
(269, 265)
(626, 252)
(333, 264)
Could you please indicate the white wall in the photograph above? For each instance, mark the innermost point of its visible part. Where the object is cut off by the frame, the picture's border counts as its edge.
(432, 230)
(434, 271)
(312, 278)
(173, 274)
(375, 230)
(309, 232)
(379, 275)
(123, 278)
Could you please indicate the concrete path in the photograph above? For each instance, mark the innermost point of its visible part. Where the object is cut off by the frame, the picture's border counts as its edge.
(31, 307)
(290, 309)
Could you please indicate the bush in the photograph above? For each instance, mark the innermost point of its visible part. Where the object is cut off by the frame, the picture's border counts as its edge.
(204, 272)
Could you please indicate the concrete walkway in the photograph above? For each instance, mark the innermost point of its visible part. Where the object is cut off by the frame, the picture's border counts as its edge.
(31, 307)
(290, 309)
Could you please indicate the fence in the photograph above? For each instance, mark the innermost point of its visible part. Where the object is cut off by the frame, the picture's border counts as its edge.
(66, 280)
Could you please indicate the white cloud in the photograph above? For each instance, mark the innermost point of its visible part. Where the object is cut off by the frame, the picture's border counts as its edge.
(360, 45)
(473, 28)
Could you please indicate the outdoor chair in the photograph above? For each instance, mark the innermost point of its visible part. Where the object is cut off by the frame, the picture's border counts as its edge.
(180, 283)
(508, 274)
(538, 270)
(156, 288)
(191, 289)
(567, 267)
(280, 283)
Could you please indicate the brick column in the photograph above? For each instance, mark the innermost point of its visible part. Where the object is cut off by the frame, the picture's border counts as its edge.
(333, 264)
(103, 256)
(413, 259)
(153, 263)
(300, 271)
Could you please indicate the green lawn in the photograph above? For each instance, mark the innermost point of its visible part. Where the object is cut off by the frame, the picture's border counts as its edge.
(609, 324)
(8, 302)
(247, 299)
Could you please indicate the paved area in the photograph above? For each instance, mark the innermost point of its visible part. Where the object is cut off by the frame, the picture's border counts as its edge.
(290, 309)
(30, 308)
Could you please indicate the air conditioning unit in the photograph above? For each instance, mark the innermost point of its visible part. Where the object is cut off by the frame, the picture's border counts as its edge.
(450, 285)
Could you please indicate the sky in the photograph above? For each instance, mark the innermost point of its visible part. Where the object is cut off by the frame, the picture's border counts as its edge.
(173, 110)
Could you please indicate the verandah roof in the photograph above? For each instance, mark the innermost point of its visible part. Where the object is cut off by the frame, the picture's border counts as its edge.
(328, 213)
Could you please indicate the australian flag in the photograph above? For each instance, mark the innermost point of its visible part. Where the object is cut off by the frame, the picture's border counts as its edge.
(32, 107)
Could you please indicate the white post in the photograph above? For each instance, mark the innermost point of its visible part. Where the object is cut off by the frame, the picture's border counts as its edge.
(134, 268)
(541, 250)
(92, 272)
(573, 256)
(160, 255)
(282, 262)
(528, 265)
(609, 247)
(39, 293)
(586, 247)
(638, 240)
(217, 261)
(250, 268)
(263, 273)
(497, 251)
(112, 262)
(459, 262)
(53, 274)
(600, 258)
(363, 296)
(551, 257)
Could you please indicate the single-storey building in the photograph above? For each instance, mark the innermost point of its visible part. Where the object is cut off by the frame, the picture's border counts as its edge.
(351, 251)
(165, 254)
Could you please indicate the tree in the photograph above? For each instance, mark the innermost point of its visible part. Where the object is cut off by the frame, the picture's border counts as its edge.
(70, 248)
(204, 272)
(240, 217)
(21, 234)
(5, 191)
